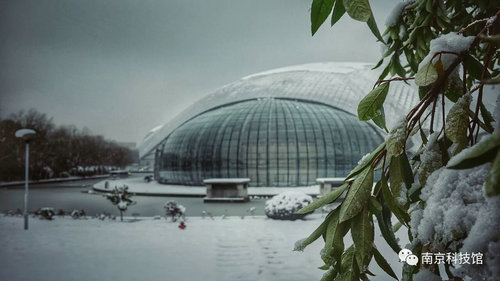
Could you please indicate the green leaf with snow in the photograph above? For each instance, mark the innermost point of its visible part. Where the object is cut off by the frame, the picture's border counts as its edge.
(338, 11)
(401, 173)
(349, 267)
(363, 234)
(334, 235)
(379, 120)
(396, 140)
(320, 10)
(392, 203)
(385, 225)
(326, 199)
(493, 179)
(457, 121)
(329, 275)
(369, 106)
(358, 195)
(361, 166)
(300, 245)
(358, 9)
(382, 262)
(483, 152)
(454, 87)
(375, 206)
(426, 75)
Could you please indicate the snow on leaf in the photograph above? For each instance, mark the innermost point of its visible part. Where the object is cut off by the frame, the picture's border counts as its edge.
(396, 139)
(483, 152)
(392, 204)
(358, 195)
(426, 75)
(457, 120)
(451, 42)
(363, 235)
(393, 17)
(401, 174)
(301, 244)
(334, 236)
(454, 201)
(367, 161)
(368, 107)
(430, 159)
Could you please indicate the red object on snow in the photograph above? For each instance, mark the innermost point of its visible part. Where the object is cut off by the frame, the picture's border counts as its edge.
(182, 225)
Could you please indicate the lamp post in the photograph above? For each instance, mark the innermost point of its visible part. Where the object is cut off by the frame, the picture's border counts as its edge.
(26, 135)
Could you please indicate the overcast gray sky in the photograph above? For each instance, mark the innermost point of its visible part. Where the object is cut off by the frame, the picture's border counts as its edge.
(122, 67)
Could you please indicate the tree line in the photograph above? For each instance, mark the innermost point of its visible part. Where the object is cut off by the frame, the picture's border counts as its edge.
(56, 151)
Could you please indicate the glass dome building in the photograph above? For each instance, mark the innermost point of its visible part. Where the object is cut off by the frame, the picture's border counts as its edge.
(281, 128)
(274, 142)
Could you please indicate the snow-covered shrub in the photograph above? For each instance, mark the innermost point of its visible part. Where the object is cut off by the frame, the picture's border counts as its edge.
(76, 214)
(174, 210)
(120, 197)
(459, 217)
(46, 213)
(17, 212)
(284, 205)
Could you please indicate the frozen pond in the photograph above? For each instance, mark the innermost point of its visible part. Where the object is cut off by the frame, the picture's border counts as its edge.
(74, 195)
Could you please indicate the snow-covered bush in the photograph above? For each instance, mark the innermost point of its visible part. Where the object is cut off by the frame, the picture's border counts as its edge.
(459, 217)
(76, 214)
(174, 210)
(46, 213)
(120, 197)
(284, 205)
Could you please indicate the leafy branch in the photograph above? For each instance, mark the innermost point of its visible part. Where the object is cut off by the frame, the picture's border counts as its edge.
(415, 36)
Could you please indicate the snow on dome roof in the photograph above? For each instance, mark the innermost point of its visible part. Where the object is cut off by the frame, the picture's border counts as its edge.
(338, 84)
(152, 131)
(331, 67)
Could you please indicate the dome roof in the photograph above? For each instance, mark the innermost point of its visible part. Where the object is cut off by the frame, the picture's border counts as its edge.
(272, 141)
(341, 85)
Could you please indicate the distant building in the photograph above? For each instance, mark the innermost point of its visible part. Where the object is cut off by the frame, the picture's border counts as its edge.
(280, 128)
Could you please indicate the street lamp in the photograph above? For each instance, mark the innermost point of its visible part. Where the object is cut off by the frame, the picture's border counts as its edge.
(26, 135)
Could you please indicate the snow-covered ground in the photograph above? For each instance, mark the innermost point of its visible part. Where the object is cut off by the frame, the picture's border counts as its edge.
(253, 248)
(139, 186)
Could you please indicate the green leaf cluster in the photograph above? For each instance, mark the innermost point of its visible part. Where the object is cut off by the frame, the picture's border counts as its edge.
(355, 213)
(359, 10)
(407, 41)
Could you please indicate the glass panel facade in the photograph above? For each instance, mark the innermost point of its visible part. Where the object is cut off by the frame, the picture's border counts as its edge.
(274, 142)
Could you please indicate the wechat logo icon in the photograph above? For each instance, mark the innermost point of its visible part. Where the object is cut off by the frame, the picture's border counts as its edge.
(407, 256)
